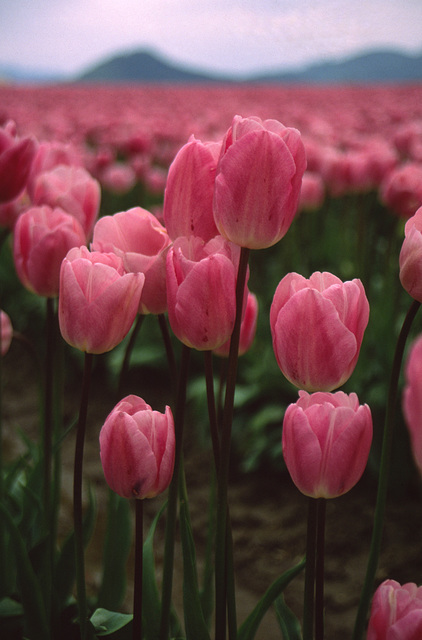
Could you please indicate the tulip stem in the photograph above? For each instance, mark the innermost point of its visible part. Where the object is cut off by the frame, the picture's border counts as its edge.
(171, 360)
(77, 497)
(387, 445)
(212, 414)
(179, 416)
(129, 348)
(309, 591)
(221, 577)
(137, 593)
(319, 569)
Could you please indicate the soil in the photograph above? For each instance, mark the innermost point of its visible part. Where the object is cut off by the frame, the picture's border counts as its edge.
(268, 516)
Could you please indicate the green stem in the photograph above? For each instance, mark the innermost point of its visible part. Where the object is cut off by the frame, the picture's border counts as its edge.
(319, 569)
(223, 473)
(137, 594)
(77, 498)
(212, 413)
(309, 592)
(48, 403)
(387, 444)
(129, 348)
(171, 360)
(167, 584)
(2, 528)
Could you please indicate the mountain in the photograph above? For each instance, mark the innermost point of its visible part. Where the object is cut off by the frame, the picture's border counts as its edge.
(376, 66)
(143, 66)
(372, 67)
(382, 66)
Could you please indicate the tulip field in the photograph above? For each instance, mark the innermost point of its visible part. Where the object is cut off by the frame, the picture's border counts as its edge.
(209, 321)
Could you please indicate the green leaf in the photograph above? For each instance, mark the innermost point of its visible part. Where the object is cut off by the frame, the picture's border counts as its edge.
(289, 624)
(107, 622)
(10, 608)
(195, 625)
(30, 590)
(250, 626)
(116, 551)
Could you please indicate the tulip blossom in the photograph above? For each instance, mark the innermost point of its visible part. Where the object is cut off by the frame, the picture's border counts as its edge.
(98, 300)
(6, 332)
(72, 189)
(401, 190)
(201, 291)
(42, 238)
(326, 441)
(396, 612)
(247, 328)
(317, 328)
(16, 157)
(258, 180)
(410, 259)
(49, 155)
(142, 243)
(137, 448)
(189, 191)
(412, 399)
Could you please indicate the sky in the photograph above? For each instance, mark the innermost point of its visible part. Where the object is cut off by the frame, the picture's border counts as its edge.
(224, 36)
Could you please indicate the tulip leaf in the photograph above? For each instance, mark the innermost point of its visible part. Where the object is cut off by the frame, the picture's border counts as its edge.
(116, 551)
(195, 625)
(250, 626)
(289, 624)
(9, 608)
(107, 622)
(29, 586)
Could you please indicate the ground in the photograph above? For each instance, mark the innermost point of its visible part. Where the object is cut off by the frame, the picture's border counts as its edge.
(268, 517)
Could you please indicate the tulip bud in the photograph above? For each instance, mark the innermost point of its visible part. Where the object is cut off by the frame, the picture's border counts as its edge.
(72, 189)
(396, 612)
(98, 300)
(201, 291)
(42, 238)
(142, 243)
(16, 156)
(412, 400)
(317, 327)
(189, 191)
(137, 449)
(6, 332)
(257, 184)
(326, 442)
(410, 259)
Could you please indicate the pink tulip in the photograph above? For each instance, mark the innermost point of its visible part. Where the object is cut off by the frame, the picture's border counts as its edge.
(6, 332)
(98, 300)
(410, 259)
(137, 449)
(396, 612)
(312, 193)
(317, 327)
(201, 297)
(72, 189)
(189, 191)
(247, 328)
(258, 180)
(326, 442)
(412, 399)
(401, 190)
(42, 238)
(49, 155)
(142, 243)
(16, 156)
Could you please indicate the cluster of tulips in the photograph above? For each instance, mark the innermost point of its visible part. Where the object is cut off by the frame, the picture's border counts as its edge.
(223, 199)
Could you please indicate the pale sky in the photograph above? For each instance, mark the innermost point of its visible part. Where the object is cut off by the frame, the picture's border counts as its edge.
(241, 36)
